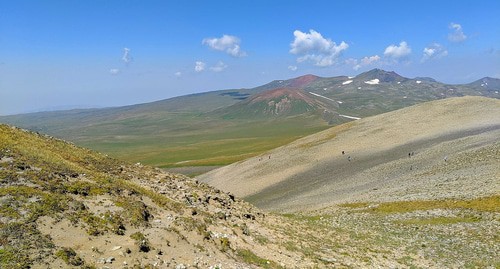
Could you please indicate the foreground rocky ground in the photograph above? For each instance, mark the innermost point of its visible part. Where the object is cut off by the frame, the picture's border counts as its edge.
(66, 207)
(430, 234)
(63, 206)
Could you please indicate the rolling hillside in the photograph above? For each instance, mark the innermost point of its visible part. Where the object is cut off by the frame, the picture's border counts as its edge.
(221, 127)
(443, 149)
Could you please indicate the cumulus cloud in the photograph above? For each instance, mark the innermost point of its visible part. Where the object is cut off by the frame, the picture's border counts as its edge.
(199, 66)
(314, 47)
(434, 51)
(114, 71)
(351, 61)
(292, 67)
(220, 66)
(366, 61)
(178, 74)
(227, 43)
(370, 60)
(127, 58)
(457, 35)
(398, 52)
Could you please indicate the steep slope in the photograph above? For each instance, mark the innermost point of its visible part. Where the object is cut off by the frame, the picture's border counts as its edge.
(442, 149)
(63, 206)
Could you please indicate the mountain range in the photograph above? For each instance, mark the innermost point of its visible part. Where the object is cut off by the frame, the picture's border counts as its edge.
(221, 127)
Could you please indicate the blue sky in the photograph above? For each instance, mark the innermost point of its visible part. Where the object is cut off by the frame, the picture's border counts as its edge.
(69, 53)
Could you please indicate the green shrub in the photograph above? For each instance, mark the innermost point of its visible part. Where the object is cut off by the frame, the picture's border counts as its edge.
(141, 241)
(135, 211)
(68, 255)
(224, 244)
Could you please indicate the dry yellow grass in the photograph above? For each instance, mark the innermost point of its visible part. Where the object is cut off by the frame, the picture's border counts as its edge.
(484, 204)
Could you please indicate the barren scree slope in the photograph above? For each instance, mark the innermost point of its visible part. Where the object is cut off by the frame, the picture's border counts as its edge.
(441, 149)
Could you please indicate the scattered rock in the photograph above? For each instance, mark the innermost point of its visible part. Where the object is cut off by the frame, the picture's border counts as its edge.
(329, 260)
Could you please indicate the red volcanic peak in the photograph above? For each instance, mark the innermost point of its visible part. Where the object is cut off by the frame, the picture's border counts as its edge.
(280, 92)
(302, 81)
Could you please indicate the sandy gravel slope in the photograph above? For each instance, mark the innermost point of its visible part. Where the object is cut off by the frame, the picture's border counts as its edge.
(454, 148)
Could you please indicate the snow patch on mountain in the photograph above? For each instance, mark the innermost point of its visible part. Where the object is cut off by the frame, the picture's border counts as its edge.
(373, 81)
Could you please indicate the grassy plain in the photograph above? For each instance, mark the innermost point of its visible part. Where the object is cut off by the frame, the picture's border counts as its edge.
(195, 140)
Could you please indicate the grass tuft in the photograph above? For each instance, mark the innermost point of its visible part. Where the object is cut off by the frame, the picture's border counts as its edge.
(485, 204)
(249, 257)
(439, 220)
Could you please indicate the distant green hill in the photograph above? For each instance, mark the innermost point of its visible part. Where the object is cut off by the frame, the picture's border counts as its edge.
(221, 127)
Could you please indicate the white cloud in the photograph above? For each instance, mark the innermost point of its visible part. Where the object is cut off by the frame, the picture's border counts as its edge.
(199, 66)
(370, 60)
(434, 51)
(292, 67)
(351, 61)
(114, 71)
(367, 61)
(398, 52)
(126, 55)
(314, 47)
(220, 66)
(178, 74)
(227, 43)
(457, 34)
